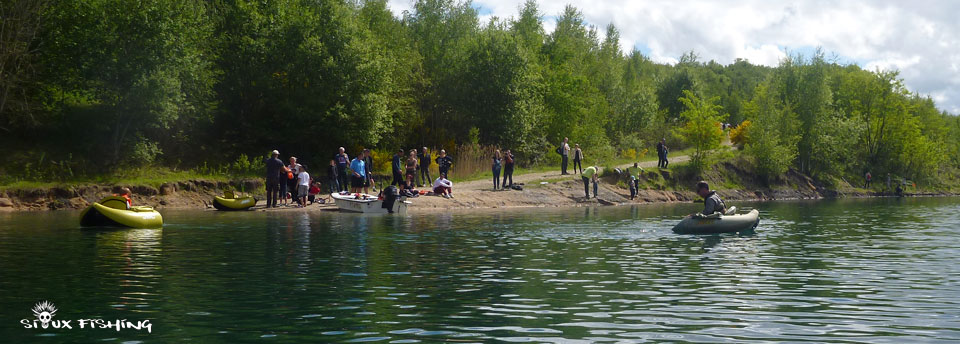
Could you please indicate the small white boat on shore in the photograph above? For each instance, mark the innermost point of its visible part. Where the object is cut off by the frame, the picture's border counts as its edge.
(368, 204)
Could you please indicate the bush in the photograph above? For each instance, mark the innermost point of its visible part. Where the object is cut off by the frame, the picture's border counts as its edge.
(739, 136)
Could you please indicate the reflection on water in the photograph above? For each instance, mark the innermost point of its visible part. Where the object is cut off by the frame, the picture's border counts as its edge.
(832, 271)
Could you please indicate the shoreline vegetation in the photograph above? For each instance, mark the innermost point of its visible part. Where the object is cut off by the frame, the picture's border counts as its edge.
(543, 187)
(202, 90)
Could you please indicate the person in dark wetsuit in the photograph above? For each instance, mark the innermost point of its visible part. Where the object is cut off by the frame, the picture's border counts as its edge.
(274, 166)
(711, 201)
(425, 163)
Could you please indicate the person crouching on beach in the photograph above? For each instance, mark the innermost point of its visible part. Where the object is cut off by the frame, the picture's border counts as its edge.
(443, 187)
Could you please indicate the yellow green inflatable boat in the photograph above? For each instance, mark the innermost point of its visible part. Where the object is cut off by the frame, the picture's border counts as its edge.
(112, 211)
(231, 201)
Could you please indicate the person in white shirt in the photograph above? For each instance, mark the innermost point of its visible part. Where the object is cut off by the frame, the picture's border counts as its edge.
(303, 185)
(443, 187)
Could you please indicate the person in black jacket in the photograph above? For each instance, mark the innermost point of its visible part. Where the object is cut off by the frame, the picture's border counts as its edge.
(425, 163)
(444, 161)
(333, 177)
(397, 167)
(274, 166)
(507, 169)
(368, 165)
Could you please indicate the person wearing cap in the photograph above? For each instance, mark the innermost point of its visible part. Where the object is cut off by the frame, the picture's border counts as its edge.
(274, 166)
(711, 201)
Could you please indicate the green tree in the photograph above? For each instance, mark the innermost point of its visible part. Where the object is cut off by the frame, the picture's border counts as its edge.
(701, 128)
(141, 63)
(772, 143)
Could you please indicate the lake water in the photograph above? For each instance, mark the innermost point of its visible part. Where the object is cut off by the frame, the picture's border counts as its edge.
(871, 271)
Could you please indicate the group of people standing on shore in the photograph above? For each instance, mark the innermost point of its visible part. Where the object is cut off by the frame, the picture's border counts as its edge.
(355, 175)
(291, 181)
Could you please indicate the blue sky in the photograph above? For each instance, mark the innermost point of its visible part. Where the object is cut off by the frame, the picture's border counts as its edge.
(920, 38)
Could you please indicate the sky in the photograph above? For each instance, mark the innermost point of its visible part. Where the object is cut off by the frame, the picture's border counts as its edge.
(919, 38)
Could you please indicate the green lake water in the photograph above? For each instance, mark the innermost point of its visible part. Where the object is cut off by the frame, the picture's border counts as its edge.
(870, 271)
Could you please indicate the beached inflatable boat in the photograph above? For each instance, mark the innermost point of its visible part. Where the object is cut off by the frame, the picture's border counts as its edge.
(717, 223)
(231, 201)
(112, 211)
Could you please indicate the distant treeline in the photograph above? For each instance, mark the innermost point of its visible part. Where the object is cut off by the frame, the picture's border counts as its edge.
(94, 84)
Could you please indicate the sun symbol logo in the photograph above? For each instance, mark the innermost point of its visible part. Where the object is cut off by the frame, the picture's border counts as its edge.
(44, 311)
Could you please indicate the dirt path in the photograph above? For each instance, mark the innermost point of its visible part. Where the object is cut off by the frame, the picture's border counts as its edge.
(559, 190)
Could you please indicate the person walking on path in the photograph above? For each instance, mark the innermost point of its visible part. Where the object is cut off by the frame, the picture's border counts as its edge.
(343, 161)
(564, 151)
(425, 163)
(444, 161)
(396, 167)
(333, 178)
(662, 153)
(507, 169)
(497, 164)
(274, 165)
(368, 164)
(589, 174)
(577, 159)
(358, 175)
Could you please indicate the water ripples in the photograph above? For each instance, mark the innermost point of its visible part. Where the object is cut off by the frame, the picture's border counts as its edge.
(870, 271)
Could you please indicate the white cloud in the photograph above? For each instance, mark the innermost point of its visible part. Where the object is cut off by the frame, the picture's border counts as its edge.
(916, 37)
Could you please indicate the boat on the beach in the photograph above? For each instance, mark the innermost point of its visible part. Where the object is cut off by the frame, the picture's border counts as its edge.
(731, 222)
(232, 201)
(112, 212)
(369, 204)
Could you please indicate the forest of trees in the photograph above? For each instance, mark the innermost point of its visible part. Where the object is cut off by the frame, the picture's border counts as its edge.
(93, 84)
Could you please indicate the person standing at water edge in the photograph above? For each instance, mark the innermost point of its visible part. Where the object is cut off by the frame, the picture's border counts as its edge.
(292, 186)
(444, 161)
(368, 163)
(425, 163)
(869, 178)
(564, 151)
(333, 177)
(711, 201)
(496, 169)
(274, 166)
(577, 158)
(358, 174)
(507, 169)
(303, 185)
(396, 167)
(342, 162)
(634, 173)
(589, 174)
